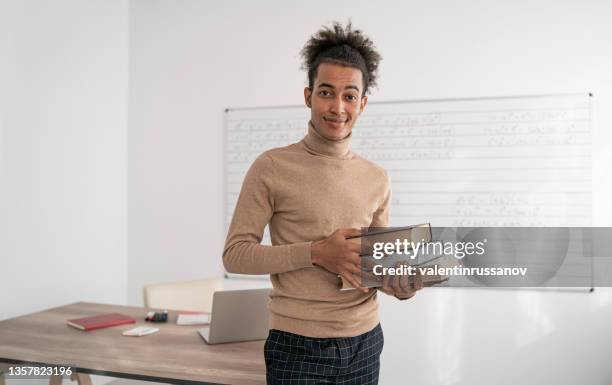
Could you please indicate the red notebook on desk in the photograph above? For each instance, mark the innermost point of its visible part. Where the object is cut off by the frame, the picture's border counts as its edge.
(100, 321)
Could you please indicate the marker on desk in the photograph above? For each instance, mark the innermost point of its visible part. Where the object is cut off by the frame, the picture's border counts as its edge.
(157, 316)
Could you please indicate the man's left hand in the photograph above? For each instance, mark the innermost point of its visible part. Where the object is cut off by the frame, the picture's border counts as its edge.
(402, 286)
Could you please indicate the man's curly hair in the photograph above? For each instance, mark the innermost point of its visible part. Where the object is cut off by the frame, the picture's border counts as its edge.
(344, 46)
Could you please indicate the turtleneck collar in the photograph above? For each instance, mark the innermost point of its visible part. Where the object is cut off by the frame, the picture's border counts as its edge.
(318, 145)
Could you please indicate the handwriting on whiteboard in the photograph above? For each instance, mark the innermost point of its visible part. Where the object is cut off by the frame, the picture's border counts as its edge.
(522, 161)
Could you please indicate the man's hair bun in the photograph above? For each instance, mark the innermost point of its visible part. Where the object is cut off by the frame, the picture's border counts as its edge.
(344, 46)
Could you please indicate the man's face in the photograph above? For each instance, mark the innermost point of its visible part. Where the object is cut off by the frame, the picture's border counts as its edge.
(335, 101)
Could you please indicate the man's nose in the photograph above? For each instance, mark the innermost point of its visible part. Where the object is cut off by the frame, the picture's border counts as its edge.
(337, 105)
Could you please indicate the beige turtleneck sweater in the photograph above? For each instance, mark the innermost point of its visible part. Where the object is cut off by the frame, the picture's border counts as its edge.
(306, 191)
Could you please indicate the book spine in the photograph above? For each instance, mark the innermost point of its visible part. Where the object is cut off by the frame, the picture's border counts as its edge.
(75, 325)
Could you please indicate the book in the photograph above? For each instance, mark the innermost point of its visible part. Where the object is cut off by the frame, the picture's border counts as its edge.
(427, 280)
(100, 321)
(418, 233)
(193, 318)
(415, 233)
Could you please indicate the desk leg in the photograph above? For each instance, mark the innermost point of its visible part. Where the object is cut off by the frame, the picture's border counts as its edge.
(81, 378)
(55, 380)
(3, 369)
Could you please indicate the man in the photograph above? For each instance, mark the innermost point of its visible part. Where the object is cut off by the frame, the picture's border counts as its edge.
(313, 195)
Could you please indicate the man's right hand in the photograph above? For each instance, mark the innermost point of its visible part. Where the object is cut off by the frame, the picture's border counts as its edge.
(340, 256)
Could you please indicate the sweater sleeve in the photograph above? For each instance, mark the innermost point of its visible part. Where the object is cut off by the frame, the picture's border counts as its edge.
(243, 252)
(381, 219)
(381, 216)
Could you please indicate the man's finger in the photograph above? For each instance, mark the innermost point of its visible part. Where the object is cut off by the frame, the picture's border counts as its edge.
(353, 265)
(354, 258)
(356, 282)
(404, 283)
(386, 290)
(349, 277)
(353, 268)
(354, 279)
(354, 247)
(386, 280)
(368, 263)
(395, 280)
(368, 274)
(418, 280)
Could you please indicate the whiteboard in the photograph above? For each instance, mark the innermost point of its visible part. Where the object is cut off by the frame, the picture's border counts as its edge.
(491, 161)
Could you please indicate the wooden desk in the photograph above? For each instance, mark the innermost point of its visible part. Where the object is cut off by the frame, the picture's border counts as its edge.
(175, 354)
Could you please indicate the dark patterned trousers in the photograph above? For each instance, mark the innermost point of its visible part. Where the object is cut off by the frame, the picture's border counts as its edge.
(298, 360)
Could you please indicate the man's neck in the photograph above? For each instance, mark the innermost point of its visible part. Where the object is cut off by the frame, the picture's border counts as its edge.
(319, 145)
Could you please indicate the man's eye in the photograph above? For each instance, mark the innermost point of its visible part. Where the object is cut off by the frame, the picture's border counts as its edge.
(324, 93)
(351, 98)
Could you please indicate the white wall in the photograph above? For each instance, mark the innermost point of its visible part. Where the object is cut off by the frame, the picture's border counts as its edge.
(191, 59)
(63, 130)
(67, 180)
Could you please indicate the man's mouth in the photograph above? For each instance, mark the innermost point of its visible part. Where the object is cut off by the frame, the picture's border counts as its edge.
(335, 120)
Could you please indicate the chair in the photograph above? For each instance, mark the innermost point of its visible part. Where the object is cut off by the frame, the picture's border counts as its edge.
(189, 295)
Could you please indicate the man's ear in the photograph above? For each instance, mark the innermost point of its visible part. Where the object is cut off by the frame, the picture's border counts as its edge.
(307, 96)
(364, 101)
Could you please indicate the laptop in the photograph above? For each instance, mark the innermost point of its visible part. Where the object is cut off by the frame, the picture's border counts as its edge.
(238, 315)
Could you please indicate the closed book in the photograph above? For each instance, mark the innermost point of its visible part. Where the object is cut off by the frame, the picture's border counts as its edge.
(370, 237)
(100, 321)
(418, 233)
(427, 280)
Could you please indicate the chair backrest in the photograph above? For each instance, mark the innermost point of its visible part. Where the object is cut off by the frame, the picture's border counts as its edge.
(190, 295)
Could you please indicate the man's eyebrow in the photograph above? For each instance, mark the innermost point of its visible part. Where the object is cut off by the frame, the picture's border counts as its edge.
(326, 85)
(332, 87)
